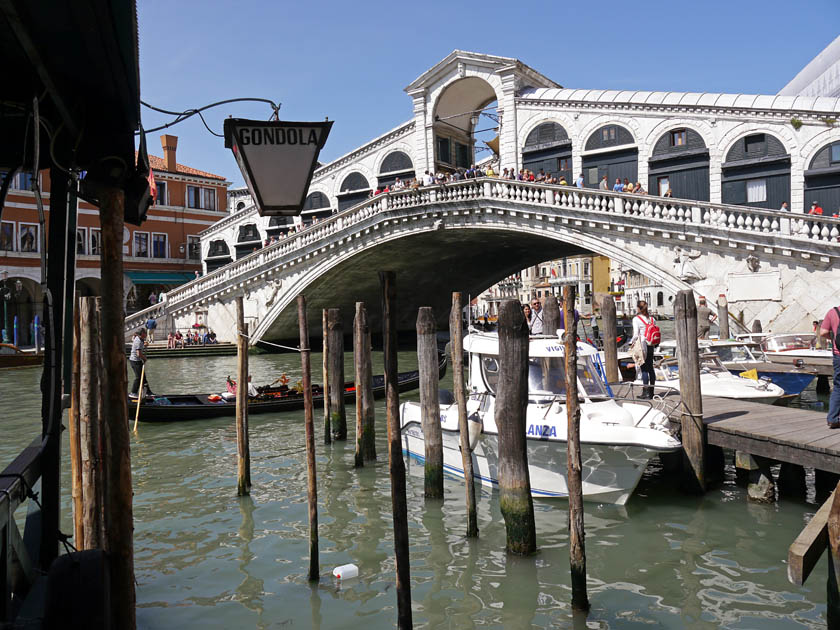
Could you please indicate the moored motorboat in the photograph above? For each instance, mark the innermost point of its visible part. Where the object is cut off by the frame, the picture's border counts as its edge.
(13, 357)
(716, 380)
(618, 438)
(748, 360)
(177, 407)
(798, 349)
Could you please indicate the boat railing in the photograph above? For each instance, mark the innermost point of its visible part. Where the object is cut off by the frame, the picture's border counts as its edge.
(19, 569)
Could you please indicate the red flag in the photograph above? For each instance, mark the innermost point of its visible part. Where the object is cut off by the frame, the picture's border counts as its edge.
(153, 191)
(553, 272)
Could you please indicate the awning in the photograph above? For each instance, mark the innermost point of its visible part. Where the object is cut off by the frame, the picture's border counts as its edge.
(160, 277)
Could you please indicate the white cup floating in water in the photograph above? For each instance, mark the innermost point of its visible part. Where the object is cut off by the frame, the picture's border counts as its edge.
(346, 571)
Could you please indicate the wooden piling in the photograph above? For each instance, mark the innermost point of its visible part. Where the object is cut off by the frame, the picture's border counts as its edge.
(723, 316)
(74, 430)
(242, 486)
(693, 429)
(119, 520)
(335, 360)
(515, 499)
(427, 362)
(551, 315)
(610, 333)
(833, 582)
(90, 430)
(325, 375)
(365, 431)
(577, 547)
(309, 432)
(387, 281)
(756, 326)
(456, 345)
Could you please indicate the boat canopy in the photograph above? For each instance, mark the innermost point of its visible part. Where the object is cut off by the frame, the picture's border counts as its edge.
(543, 346)
(797, 341)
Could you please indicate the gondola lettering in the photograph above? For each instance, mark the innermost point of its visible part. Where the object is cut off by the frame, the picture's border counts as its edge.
(277, 135)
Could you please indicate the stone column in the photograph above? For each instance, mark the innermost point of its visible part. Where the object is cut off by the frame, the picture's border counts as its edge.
(508, 140)
(423, 160)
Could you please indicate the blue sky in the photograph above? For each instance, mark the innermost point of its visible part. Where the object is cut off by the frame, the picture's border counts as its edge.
(350, 61)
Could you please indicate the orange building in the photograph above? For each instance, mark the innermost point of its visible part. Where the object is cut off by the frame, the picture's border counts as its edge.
(158, 255)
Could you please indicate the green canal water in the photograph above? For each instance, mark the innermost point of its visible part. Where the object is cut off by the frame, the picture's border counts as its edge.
(205, 558)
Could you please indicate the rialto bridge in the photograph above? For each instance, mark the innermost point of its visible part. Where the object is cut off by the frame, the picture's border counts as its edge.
(730, 161)
(773, 265)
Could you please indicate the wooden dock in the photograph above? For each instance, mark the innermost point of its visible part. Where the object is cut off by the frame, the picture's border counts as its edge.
(784, 434)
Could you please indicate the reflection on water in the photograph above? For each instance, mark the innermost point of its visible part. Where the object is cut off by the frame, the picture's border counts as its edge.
(207, 558)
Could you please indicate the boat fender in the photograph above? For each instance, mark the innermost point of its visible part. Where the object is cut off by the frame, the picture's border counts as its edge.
(214, 398)
(475, 428)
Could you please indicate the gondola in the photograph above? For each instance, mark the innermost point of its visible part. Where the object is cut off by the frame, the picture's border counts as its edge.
(177, 407)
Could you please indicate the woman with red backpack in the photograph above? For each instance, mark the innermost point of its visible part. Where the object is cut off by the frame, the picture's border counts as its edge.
(647, 336)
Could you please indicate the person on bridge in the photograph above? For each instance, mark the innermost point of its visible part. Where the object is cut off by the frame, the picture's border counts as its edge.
(815, 208)
(151, 325)
(705, 317)
(137, 358)
(536, 323)
(579, 181)
(604, 185)
(829, 327)
(618, 186)
(640, 322)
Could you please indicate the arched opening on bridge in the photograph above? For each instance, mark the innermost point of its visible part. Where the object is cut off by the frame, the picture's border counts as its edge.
(462, 108)
(240, 206)
(610, 150)
(756, 172)
(316, 206)
(218, 255)
(822, 179)
(354, 189)
(17, 314)
(89, 287)
(396, 164)
(679, 163)
(248, 240)
(549, 148)
(279, 226)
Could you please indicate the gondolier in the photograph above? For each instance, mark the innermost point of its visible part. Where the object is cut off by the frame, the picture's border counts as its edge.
(137, 359)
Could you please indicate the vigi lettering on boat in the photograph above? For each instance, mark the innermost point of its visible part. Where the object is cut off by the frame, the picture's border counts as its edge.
(544, 430)
(277, 135)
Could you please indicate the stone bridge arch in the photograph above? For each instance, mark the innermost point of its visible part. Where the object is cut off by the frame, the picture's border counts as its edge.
(432, 260)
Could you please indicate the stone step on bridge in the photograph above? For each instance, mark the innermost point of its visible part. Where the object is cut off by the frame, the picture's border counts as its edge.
(775, 266)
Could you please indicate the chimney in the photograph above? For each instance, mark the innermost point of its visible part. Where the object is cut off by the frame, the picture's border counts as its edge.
(170, 145)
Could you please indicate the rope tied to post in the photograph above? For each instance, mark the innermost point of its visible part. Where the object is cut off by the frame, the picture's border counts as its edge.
(276, 345)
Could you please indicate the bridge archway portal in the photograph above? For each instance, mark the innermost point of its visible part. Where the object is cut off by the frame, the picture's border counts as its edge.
(464, 113)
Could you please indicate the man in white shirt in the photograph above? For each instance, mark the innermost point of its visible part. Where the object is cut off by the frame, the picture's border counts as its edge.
(428, 180)
(536, 323)
(137, 359)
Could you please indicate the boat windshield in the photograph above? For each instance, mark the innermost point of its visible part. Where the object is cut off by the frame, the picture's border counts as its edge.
(547, 376)
(708, 365)
(781, 343)
(734, 353)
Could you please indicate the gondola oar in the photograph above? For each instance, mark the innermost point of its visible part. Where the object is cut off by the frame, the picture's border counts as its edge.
(139, 396)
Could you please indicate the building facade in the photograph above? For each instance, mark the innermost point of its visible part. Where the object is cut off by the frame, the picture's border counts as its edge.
(161, 253)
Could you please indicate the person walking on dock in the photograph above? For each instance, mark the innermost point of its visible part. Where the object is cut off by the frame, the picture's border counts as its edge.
(705, 317)
(641, 322)
(829, 327)
(137, 358)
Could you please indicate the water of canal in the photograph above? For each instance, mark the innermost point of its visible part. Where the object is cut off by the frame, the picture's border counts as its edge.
(205, 558)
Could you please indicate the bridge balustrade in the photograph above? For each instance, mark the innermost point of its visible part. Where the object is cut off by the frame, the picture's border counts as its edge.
(797, 228)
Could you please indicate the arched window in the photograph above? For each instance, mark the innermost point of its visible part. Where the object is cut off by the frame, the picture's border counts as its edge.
(545, 135)
(548, 149)
(756, 172)
(621, 164)
(396, 161)
(822, 179)
(354, 182)
(316, 201)
(240, 206)
(680, 163)
(660, 299)
(248, 233)
(218, 248)
(609, 136)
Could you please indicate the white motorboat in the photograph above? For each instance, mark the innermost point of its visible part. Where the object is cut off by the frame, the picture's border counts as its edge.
(798, 349)
(617, 438)
(716, 380)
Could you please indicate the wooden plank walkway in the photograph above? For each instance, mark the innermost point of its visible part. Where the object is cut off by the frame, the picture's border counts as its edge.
(785, 434)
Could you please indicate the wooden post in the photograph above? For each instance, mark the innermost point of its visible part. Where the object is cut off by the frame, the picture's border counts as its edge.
(90, 431)
(74, 422)
(427, 362)
(833, 582)
(309, 424)
(325, 376)
(756, 327)
(242, 486)
(365, 430)
(577, 548)
(335, 332)
(609, 335)
(119, 520)
(456, 343)
(551, 316)
(387, 280)
(515, 499)
(723, 316)
(693, 429)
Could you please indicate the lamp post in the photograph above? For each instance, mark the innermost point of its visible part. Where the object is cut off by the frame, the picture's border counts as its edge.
(6, 295)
